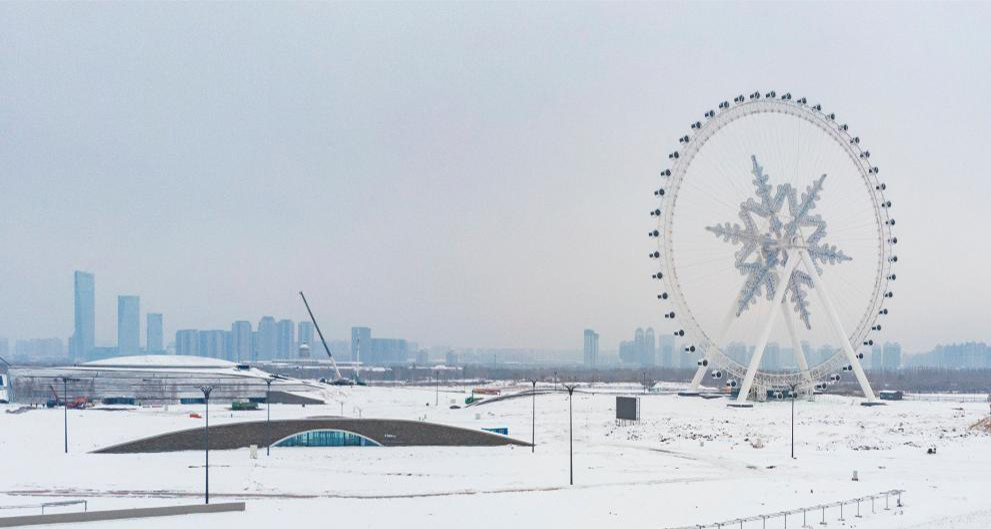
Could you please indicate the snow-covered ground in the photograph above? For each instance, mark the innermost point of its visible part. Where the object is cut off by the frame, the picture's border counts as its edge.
(688, 461)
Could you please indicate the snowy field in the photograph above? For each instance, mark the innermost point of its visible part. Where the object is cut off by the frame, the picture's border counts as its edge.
(689, 461)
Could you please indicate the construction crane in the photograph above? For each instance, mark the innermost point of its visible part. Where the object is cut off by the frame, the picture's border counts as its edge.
(339, 380)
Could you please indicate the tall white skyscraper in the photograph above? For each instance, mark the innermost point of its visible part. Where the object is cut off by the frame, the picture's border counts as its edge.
(241, 350)
(84, 335)
(591, 357)
(153, 342)
(128, 325)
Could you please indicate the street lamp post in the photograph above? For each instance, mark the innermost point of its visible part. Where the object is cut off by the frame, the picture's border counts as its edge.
(571, 435)
(65, 406)
(533, 429)
(268, 415)
(793, 395)
(206, 397)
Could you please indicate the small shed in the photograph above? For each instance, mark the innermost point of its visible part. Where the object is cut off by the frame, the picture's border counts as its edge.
(890, 394)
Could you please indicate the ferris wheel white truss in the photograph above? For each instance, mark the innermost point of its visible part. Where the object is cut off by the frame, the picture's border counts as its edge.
(797, 263)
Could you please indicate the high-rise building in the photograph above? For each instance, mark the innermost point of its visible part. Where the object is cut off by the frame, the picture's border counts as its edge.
(823, 353)
(128, 325)
(451, 358)
(639, 345)
(267, 339)
(213, 344)
(241, 342)
(807, 351)
(84, 336)
(737, 351)
(892, 356)
(771, 360)
(877, 362)
(627, 351)
(422, 357)
(649, 353)
(186, 342)
(305, 333)
(642, 351)
(386, 351)
(360, 337)
(666, 354)
(285, 339)
(153, 342)
(591, 357)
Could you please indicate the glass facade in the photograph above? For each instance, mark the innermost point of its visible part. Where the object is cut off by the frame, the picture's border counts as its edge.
(326, 438)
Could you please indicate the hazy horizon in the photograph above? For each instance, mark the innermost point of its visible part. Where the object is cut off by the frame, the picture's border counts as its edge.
(470, 174)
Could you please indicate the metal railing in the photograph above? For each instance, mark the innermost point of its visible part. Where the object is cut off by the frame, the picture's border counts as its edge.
(48, 505)
(810, 513)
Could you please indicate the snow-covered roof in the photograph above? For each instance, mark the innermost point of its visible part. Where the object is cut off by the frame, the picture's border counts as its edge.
(161, 361)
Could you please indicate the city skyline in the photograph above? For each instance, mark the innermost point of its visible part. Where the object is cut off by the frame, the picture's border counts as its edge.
(451, 210)
(278, 338)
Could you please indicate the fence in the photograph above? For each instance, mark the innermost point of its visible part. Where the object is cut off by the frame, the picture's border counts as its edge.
(48, 505)
(949, 397)
(810, 513)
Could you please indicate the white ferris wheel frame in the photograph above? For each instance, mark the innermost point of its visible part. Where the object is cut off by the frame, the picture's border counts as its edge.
(805, 379)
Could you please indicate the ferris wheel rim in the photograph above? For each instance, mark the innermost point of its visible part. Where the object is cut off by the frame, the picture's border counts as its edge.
(676, 175)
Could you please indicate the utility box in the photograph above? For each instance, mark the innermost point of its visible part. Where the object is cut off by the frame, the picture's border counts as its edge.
(627, 408)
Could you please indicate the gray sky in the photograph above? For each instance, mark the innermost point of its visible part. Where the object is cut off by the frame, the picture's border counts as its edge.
(468, 174)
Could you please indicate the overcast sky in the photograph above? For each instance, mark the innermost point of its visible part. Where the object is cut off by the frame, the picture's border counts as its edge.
(468, 174)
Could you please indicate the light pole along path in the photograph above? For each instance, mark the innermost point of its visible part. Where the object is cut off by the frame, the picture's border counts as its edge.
(571, 433)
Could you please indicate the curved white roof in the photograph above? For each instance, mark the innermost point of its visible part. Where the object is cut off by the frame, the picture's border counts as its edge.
(171, 361)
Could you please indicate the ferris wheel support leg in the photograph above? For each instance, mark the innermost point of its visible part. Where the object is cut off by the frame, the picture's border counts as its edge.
(727, 322)
(837, 326)
(765, 333)
(699, 375)
(796, 346)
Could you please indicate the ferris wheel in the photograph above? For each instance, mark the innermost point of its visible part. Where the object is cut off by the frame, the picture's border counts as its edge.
(774, 234)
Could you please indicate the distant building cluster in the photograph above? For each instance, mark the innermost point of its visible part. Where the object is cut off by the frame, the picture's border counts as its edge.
(379, 351)
(887, 357)
(641, 351)
(82, 343)
(970, 355)
(269, 340)
(272, 340)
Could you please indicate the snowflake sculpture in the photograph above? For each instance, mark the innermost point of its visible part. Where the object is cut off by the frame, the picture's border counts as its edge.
(764, 243)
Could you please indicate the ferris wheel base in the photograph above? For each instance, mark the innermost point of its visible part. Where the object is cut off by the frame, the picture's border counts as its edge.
(873, 403)
(735, 404)
(689, 393)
